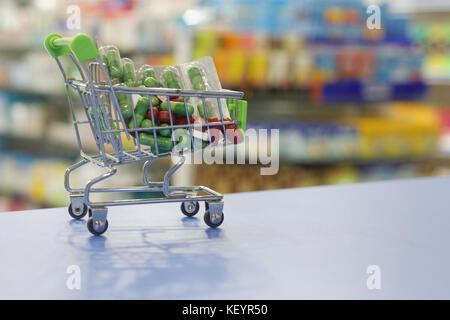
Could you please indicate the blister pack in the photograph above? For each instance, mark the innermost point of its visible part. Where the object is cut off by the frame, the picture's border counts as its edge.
(111, 58)
(201, 75)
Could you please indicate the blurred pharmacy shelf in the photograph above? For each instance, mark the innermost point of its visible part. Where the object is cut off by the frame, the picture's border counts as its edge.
(39, 146)
(310, 68)
(419, 6)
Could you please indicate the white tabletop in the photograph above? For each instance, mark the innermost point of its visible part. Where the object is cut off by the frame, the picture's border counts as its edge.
(286, 244)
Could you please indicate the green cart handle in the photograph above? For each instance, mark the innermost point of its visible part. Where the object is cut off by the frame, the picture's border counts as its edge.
(242, 114)
(81, 45)
(240, 110)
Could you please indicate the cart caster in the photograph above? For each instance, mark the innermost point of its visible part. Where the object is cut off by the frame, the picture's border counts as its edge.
(213, 220)
(99, 229)
(77, 211)
(97, 223)
(190, 208)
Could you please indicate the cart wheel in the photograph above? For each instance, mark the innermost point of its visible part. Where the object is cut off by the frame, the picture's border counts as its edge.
(217, 222)
(78, 213)
(190, 208)
(90, 226)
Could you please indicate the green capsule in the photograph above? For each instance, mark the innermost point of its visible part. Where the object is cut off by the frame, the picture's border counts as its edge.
(155, 101)
(129, 75)
(164, 106)
(131, 83)
(139, 120)
(169, 75)
(142, 106)
(113, 57)
(193, 72)
(164, 132)
(146, 123)
(150, 72)
(171, 79)
(147, 139)
(115, 72)
(198, 84)
(164, 143)
(126, 111)
(123, 99)
(113, 63)
(201, 110)
(177, 107)
(196, 78)
(151, 82)
(173, 84)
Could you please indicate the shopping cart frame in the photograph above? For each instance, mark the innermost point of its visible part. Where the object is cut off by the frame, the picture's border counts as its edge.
(99, 101)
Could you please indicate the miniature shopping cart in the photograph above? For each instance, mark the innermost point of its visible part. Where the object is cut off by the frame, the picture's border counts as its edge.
(102, 114)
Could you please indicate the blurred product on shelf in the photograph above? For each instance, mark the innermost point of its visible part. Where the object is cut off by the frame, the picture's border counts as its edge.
(434, 38)
(444, 138)
(408, 131)
(400, 131)
(32, 178)
(15, 115)
(29, 74)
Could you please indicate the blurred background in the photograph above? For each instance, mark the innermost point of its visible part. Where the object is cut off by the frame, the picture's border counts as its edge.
(352, 104)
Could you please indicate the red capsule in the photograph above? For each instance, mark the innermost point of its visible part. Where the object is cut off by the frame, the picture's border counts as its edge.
(164, 117)
(181, 120)
(229, 126)
(155, 113)
(235, 135)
